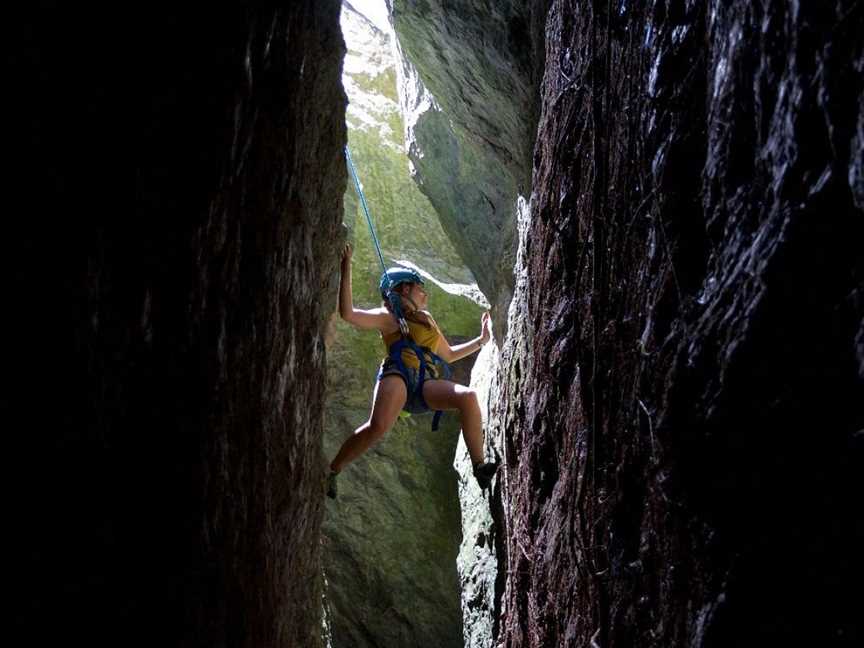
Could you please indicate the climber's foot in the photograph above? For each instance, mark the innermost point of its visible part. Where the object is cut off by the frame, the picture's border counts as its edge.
(484, 472)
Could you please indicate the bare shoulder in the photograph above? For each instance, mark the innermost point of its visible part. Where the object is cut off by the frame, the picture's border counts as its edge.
(371, 318)
(384, 317)
(387, 324)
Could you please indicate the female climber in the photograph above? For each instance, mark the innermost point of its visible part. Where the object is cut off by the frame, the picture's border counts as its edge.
(405, 380)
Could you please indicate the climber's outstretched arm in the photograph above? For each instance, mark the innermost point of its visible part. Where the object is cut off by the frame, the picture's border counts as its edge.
(375, 318)
(453, 353)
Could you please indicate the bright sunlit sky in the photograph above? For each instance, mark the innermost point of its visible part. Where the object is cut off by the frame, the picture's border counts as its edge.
(374, 10)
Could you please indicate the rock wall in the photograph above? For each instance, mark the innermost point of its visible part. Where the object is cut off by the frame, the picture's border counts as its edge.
(469, 90)
(681, 418)
(484, 563)
(167, 355)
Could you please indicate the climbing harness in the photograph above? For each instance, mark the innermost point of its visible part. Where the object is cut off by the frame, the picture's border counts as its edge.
(415, 402)
(389, 280)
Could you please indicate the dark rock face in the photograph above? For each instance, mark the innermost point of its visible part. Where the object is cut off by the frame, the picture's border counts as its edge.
(682, 413)
(169, 360)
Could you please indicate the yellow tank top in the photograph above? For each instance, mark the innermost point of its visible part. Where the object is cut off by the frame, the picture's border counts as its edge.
(424, 336)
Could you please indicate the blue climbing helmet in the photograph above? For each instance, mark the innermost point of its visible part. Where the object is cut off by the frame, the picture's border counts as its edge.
(395, 276)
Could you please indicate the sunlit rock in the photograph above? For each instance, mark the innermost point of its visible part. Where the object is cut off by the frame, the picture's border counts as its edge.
(468, 82)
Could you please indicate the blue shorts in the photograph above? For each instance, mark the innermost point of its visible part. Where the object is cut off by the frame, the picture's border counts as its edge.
(414, 404)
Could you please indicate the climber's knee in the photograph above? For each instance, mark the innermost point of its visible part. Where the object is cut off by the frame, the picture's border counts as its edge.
(376, 430)
(468, 400)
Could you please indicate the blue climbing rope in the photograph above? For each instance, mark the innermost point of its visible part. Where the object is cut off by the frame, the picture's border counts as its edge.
(365, 208)
(393, 298)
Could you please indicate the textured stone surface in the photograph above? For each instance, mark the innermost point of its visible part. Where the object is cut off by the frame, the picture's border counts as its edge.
(168, 348)
(469, 83)
(479, 551)
(680, 418)
(392, 535)
(483, 561)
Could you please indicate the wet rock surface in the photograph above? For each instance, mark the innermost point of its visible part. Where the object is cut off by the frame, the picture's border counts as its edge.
(168, 355)
(680, 420)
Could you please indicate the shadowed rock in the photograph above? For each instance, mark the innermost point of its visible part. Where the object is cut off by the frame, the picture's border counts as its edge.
(168, 345)
(679, 428)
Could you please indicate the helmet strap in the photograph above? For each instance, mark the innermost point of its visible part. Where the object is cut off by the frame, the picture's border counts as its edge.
(395, 300)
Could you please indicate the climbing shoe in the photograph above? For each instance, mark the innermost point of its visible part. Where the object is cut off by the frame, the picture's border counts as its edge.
(331, 485)
(484, 472)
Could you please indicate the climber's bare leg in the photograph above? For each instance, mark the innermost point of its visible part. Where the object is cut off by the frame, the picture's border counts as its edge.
(448, 395)
(387, 400)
